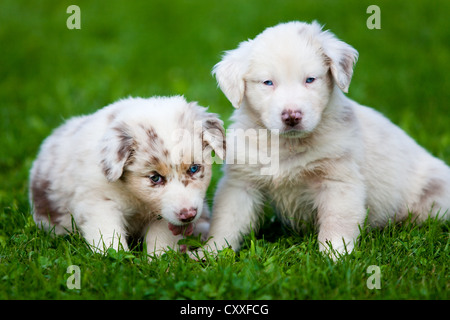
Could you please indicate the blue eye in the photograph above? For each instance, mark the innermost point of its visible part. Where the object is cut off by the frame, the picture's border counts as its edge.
(310, 80)
(268, 83)
(193, 169)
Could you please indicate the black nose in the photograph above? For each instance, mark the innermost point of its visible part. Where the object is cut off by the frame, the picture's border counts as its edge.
(291, 117)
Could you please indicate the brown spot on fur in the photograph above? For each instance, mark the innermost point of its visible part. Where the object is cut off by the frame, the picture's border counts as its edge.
(43, 206)
(316, 173)
(151, 133)
(154, 142)
(185, 182)
(326, 59)
(187, 177)
(181, 170)
(329, 80)
(106, 168)
(325, 169)
(158, 165)
(125, 143)
(111, 117)
(432, 189)
(131, 157)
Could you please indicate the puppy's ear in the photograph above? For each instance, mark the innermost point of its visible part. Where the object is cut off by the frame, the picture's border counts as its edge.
(213, 134)
(341, 57)
(230, 72)
(115, 149)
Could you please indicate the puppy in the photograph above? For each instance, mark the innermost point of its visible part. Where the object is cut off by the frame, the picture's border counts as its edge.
(336, 160)
(136, 168)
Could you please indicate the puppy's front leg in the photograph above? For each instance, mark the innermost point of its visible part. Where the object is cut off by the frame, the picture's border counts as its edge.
(201, 226)
(101, 225)
(235, 213)
(159, 238)
(341, 209)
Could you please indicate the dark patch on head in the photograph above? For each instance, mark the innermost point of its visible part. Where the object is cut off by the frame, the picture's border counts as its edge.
(118, 146)
(327, 63)
(111, 117)
(151, 133)
(346, 65)
(43, 206)
(154, 142)
(214, 135)
(301, 30)
(326, 59)
(125, 144)
(158, 165)
(105, 167)
(329, 79)
(185, 182)
(186, 177)
(131, 157)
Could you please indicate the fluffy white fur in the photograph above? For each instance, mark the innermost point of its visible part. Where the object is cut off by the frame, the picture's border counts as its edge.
(98, 170)
(338, 160)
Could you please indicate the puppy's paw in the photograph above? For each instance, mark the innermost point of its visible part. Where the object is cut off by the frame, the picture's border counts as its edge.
(336, 249)
(201, 228)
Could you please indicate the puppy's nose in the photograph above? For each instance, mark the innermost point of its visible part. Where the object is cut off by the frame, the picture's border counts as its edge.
(187, 215)
(291, 117)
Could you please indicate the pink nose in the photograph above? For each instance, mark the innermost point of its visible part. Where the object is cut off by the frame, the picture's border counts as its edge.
(291, 117)
(187, 215)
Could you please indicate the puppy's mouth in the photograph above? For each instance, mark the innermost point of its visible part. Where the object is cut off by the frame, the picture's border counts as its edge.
(185, 230)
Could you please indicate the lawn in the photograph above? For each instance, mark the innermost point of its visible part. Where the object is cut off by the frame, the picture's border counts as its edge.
(49, 73)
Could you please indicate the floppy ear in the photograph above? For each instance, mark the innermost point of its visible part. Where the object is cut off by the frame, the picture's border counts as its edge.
(230, 72)
(115, 149)
(341, 58)
(213, 134)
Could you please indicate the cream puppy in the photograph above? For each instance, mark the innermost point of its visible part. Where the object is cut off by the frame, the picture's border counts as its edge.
(138, 167)
(337, 160)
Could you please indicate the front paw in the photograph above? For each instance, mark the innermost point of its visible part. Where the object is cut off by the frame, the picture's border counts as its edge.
(336, 248)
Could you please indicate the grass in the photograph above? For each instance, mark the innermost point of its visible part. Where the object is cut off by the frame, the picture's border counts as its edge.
(49, 73)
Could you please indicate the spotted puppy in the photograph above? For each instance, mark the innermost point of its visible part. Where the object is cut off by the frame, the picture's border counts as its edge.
(139, 167)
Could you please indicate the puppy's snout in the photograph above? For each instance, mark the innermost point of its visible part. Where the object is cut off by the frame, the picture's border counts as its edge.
(187, 215)
(291, 117)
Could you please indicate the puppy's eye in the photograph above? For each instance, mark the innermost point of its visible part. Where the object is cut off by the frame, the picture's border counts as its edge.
(310, 80)
(268, 83)
(156, 179)
(193, 169)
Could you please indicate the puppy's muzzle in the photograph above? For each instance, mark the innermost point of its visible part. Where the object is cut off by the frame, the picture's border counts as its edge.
(187, 215)
(291, 117)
